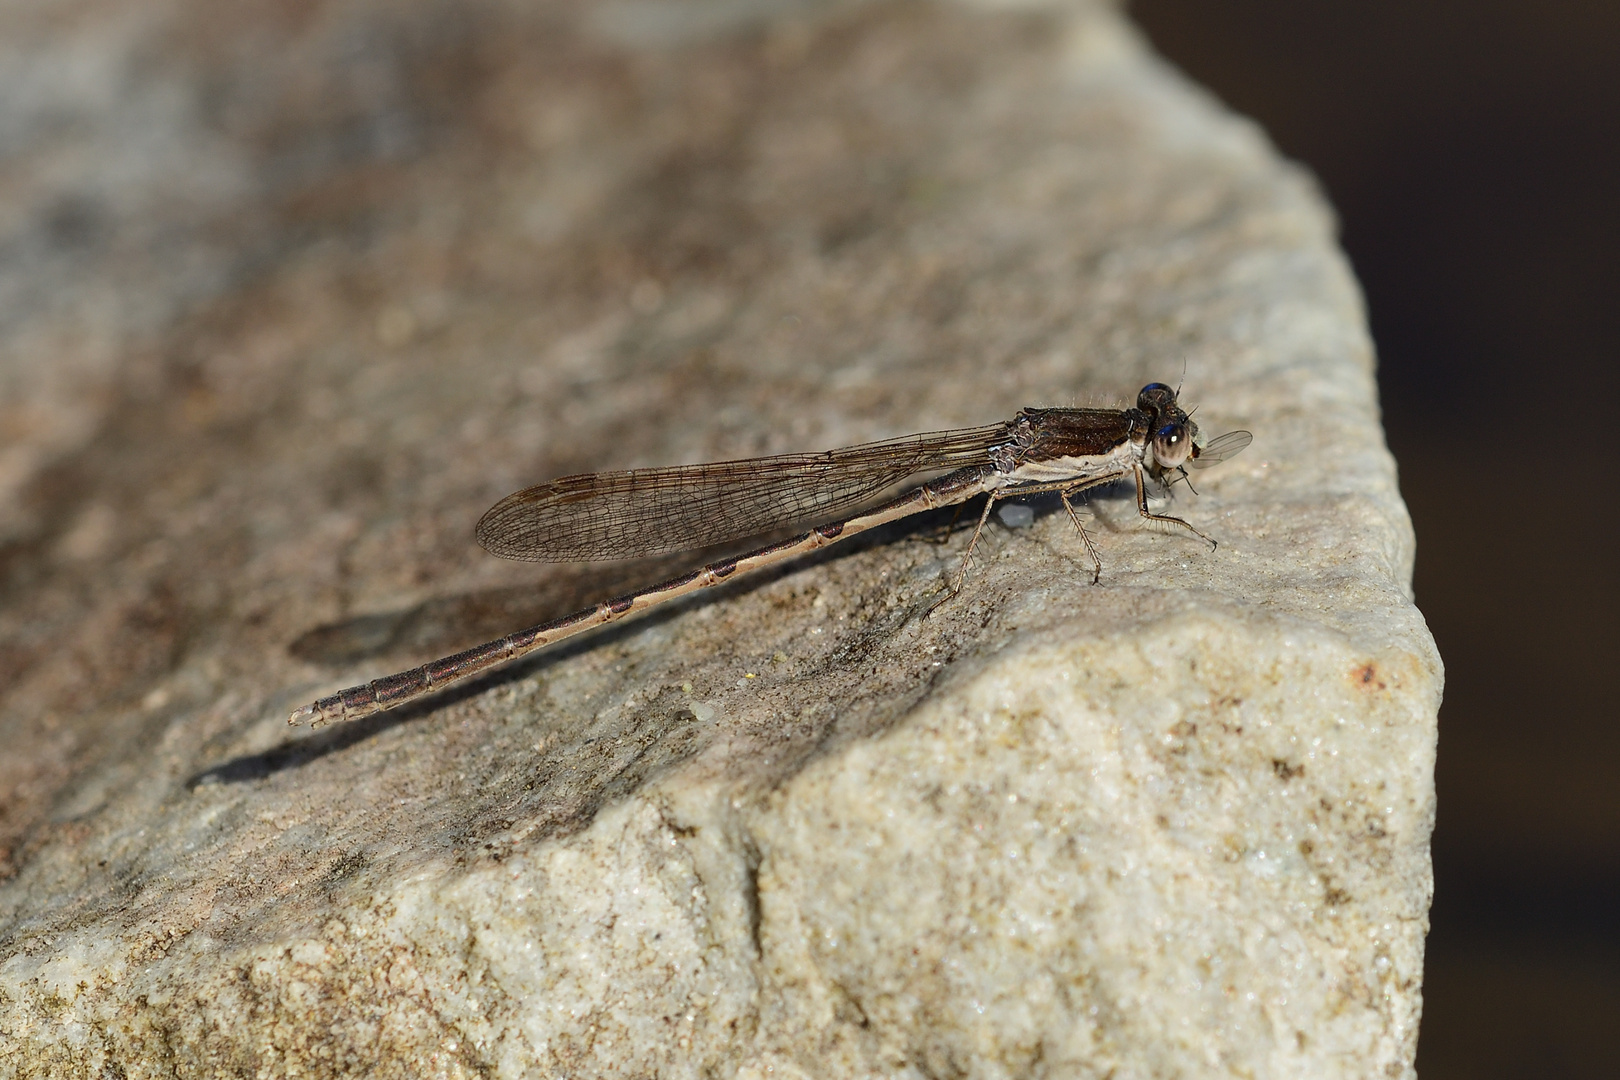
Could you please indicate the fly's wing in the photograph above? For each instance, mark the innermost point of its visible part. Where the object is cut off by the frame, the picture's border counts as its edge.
(1220, 448)
(622, 515)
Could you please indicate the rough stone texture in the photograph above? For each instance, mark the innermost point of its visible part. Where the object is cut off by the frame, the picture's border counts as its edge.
(291, 293)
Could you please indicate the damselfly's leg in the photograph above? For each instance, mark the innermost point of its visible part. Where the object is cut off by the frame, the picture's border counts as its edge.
(967, 559)
(1091, 549)
(1066, 492)
(943, 536)
(1067, 489)
(1142, 508)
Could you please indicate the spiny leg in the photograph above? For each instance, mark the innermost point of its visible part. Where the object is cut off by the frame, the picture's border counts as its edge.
(1142, 508)
(1091, 549)
(944, 536)
(1066, 488)
(961, 573)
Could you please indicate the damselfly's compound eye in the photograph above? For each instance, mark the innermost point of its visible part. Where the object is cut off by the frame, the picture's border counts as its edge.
(1155, 396)
(1171, 444)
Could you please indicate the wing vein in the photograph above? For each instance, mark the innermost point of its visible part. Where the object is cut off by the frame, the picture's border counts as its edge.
(621, 515)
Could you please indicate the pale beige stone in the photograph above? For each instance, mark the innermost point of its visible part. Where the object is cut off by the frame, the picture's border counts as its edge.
(1174, 825)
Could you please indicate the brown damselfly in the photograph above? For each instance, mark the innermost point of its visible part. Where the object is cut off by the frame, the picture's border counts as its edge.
(622, 515)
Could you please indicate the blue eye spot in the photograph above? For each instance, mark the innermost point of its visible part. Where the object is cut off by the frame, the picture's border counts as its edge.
(1155, 396)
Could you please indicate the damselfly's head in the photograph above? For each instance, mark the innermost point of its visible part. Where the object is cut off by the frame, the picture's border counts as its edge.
(1173, 431)
(1176, 439)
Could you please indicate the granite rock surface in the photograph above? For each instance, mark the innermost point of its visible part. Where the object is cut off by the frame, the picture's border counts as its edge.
(290, 295)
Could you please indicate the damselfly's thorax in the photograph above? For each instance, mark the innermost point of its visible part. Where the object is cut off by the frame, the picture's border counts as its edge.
(1156, 433)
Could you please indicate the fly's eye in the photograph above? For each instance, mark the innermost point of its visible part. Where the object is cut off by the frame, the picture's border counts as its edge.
(1172, 444)
(1155, 396)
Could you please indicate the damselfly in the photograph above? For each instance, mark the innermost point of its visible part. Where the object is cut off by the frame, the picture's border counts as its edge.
(622, 515)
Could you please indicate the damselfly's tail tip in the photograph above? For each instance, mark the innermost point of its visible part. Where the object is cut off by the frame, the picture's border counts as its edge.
(309, 714)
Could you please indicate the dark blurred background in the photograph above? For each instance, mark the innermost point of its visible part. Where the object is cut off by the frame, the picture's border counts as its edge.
(1472, 149)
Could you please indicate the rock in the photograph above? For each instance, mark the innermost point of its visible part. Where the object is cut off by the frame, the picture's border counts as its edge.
(330, 283)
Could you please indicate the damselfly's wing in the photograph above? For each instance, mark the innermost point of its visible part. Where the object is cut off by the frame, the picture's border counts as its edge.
(622, 515)
(1220, 448)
